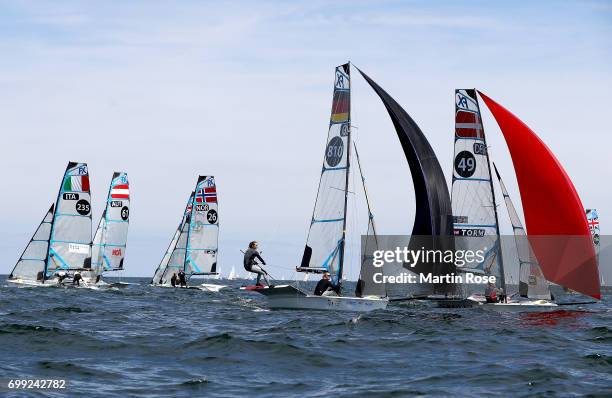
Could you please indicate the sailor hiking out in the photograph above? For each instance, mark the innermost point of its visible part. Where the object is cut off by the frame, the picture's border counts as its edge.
(250, 263)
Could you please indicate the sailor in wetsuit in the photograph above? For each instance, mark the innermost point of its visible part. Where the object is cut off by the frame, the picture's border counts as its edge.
(76, 279)
(182, 278)
(491, 293)
(325, 287)
(251, 265)
(173, 280)
(61, 276)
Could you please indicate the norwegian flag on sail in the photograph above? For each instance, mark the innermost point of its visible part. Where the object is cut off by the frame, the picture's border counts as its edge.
(120, 191)
(207, 195)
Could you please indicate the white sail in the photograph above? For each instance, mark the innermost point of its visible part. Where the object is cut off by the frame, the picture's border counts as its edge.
(232, 274)
(532, 283)
(174, 258)
(475, 223)
(70, 240)
(31, 263)
(203, 231)
(325, 243)
(110, 239)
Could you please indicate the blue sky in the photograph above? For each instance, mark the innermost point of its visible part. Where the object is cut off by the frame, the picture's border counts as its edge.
(242, 90)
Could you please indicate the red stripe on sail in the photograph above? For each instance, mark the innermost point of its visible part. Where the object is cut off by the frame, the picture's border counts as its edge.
(467, 124)
(554, 215)
(85, 183)
(123, 186)
(210, 190)
(212, 199)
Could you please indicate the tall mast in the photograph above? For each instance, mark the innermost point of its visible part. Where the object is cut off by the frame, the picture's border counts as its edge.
(346, 186)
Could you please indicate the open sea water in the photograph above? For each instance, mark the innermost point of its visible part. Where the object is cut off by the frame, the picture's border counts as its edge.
(142, 341)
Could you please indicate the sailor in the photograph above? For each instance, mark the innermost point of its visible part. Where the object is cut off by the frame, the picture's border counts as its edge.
(173, 280)
(250, 263)
(182, 278)
(491, 293)
(325, 287)
(76, 279)
(61, 276)
(501, 295)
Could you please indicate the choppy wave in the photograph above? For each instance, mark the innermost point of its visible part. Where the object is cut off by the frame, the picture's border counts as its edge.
(142, 341)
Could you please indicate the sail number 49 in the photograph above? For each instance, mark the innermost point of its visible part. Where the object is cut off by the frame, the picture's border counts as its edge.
(465, 164)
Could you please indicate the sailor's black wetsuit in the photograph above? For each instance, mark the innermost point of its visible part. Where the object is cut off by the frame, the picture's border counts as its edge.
(324, 285)
(251, 265)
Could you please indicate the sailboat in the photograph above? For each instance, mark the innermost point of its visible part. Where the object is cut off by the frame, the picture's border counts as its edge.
(558, 231)
(325, 244)
(534, 289)
(232, 274)
(593, 220)
(110, 240)
(62, 241)
(475, 218)
(194, 246)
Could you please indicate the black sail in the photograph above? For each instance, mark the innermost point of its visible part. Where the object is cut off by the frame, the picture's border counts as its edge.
(433, 216)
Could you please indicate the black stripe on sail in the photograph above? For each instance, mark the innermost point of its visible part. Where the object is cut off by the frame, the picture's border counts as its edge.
(433, 205)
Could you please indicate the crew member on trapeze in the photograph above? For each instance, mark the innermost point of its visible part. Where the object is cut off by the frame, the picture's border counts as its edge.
(250, 263)
(325, 287)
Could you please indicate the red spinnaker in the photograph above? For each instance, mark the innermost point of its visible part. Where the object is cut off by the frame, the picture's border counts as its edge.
(554, 215)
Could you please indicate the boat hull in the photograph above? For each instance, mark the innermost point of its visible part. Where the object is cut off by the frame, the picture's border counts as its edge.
(521, 306)
(289, 297)
(29, 283)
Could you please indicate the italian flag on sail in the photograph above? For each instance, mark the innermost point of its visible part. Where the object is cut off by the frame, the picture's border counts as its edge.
(120, 191)
(76, 183)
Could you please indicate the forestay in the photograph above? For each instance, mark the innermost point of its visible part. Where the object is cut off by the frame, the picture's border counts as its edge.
(532, 283)
(110, 239)
(475, 223)
(203, 232)
(326, 238)
(366, 285)
(70, 240)
(31, 263)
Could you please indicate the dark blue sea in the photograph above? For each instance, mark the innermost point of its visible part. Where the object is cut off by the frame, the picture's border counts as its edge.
(141, 341)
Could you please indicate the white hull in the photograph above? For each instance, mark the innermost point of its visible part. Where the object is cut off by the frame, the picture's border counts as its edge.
(30, 283)
(288, 297)
(521, 306)
(207, 287)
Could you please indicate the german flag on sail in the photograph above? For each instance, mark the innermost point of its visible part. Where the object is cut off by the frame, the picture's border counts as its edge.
(76, 183)
(341, 106)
